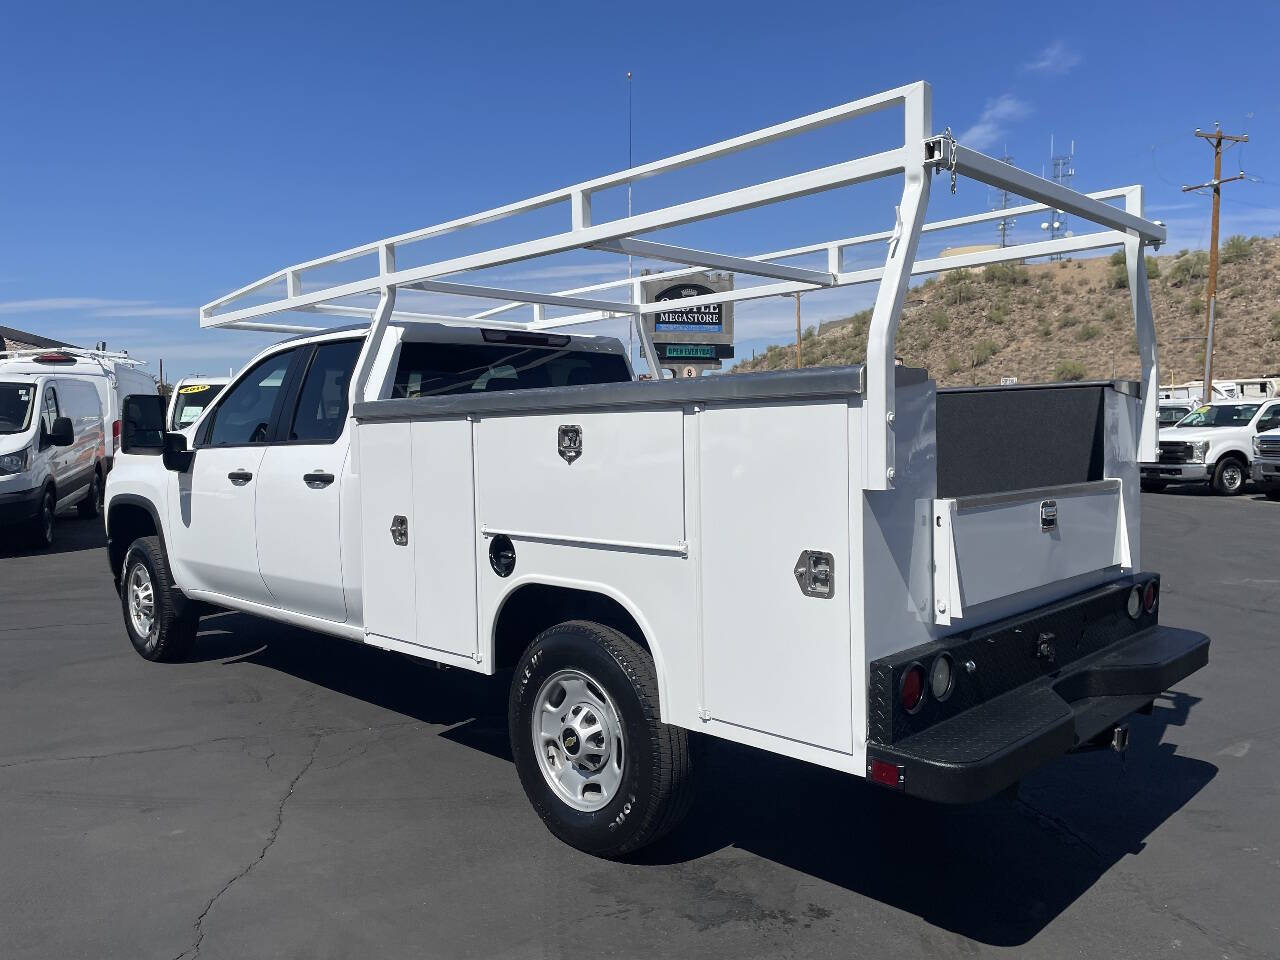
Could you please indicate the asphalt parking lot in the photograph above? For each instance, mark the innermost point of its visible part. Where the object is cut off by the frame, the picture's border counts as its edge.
(289, 795)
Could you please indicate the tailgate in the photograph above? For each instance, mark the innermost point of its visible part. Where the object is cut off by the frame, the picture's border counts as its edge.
(995, 545)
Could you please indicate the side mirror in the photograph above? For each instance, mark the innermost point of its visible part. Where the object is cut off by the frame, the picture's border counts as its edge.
(142, 424)
(176, 456)
(62, 434)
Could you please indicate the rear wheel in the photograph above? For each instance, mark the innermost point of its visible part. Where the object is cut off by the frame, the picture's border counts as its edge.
(602, 771)
(1228, 477)
(160, 623)
(91, 505)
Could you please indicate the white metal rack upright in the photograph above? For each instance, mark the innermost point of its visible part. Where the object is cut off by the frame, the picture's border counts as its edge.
(920, 156)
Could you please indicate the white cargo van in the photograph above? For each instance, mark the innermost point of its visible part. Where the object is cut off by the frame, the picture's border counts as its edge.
(113, 375)
(52, 452)
(191, 395)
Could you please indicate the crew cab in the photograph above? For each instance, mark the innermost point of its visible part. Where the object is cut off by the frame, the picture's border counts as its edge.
(1212, 444)
(924, 588)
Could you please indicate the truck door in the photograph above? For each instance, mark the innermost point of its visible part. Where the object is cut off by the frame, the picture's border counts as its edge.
(299, 491)
(212, 506)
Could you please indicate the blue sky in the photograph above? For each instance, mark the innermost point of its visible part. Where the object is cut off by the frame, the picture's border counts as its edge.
(157, 155)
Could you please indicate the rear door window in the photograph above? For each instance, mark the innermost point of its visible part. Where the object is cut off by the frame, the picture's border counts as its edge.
(322, 402)
(441, 369)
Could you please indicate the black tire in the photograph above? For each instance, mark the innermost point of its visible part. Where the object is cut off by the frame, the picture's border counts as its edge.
(1272, 492)
(1153, 486)
(40, 530)
(91, 505)
(656, 786)
(1229, 477)
(174, 620)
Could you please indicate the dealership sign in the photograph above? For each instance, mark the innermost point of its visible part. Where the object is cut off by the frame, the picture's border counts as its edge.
(707, 318)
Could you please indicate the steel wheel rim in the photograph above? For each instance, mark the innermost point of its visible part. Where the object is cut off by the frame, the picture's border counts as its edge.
(46, 517)
(578, 740)
(142, 601)
(1232, 476)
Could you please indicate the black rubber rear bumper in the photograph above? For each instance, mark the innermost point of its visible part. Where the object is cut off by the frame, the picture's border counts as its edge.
(979, 752)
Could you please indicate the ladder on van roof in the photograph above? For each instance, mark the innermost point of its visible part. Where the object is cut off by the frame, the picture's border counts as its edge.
(917, 158)
(80, 353)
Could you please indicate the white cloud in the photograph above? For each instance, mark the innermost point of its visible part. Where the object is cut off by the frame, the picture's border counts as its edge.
(996, 116)
(65, 303)
(1055, 58)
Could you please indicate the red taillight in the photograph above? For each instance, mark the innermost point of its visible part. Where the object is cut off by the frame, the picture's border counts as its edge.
(1150, 597)
(886, 774)
(911, 692)
(115, 435)
(54, 358)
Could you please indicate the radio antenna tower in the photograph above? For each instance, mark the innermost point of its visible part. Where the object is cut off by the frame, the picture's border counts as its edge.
(1002, 199)
(1064, 170)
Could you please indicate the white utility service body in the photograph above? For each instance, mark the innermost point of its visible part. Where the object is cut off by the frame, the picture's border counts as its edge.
(935, 589)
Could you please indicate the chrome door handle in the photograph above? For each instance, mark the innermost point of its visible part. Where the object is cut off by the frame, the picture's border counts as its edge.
(239, 477)
(317, 479)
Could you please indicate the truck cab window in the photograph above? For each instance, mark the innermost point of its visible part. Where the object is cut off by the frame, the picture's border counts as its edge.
(440, 369)
(322, 402)
(245, 413)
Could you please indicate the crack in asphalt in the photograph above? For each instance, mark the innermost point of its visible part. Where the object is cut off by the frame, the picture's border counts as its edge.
(1060, 826)
(124, 753)
(194, 950)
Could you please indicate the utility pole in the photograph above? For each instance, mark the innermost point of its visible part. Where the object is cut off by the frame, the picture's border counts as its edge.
(798, 331)
(1216, 138)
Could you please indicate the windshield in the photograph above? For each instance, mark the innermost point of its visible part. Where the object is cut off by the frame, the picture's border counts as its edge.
(15, 406)
(1221, 415)
(191, 402)
(1171, 415)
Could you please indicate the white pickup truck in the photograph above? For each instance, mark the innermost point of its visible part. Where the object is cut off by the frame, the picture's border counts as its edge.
(930, 589)
(1266, 462)
(1213, 444)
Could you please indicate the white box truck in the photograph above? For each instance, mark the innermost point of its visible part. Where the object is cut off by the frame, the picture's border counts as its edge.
(936, 590)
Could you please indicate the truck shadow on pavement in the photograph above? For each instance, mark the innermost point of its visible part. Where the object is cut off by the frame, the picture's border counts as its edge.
(997, 872)
(70, 533)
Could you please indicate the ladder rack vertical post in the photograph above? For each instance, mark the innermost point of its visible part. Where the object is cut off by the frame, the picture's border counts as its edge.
(878, 401)
(1144, 322)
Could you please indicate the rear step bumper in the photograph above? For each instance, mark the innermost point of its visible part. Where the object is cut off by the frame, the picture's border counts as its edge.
(978, 753)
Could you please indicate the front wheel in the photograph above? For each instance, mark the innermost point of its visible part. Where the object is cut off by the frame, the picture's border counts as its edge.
(40, 532)
(1272, 492)
(1228, 477)
(1153, 486)
(161, 625)
(601, 770)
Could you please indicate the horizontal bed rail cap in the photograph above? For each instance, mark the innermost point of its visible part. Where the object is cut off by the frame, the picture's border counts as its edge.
(810, 383)
(1131, 387)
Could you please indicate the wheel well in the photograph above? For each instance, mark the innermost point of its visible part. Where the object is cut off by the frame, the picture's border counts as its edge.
(126, 523)
(535, 606)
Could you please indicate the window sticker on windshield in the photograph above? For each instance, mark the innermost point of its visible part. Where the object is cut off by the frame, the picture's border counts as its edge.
(195, 388)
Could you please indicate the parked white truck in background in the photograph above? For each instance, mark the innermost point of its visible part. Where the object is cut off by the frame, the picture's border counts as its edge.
(1213, 444)
(189, 398)
(1266, 462)
(931, 589)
